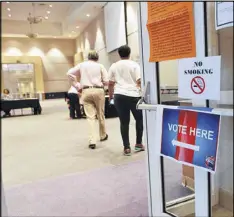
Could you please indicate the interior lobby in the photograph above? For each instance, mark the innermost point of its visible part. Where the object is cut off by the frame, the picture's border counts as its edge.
(47, 167)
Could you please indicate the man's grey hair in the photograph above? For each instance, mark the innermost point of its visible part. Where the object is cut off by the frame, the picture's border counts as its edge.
(93, 55)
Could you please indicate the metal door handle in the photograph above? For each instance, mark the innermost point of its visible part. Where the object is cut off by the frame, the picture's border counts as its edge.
(145, 99)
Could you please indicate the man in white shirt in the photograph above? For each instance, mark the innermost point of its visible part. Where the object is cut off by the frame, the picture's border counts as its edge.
(93, 77)
(74, 104)
(124, 87)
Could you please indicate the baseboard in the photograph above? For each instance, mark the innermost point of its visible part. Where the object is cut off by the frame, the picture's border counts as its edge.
(183, 209)
(188, 182)
(55, 95)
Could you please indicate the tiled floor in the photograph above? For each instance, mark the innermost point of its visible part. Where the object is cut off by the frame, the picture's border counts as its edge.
(219, 211)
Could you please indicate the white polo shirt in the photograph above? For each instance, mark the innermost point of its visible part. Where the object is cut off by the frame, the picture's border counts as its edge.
(72, 90)
(90, 72)
(125, 74)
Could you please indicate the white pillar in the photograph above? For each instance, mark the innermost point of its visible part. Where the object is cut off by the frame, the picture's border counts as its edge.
(200, 176)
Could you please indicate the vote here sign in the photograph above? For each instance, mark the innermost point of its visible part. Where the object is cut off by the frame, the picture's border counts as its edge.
(190, 137)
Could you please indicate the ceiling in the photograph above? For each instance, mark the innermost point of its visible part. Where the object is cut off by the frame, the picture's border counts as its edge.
(59, 19)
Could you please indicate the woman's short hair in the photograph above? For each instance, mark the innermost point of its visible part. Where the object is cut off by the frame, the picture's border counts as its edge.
(93, 55)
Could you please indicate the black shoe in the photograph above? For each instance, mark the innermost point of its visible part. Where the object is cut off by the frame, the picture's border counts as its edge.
(104, 139)
(92, 146)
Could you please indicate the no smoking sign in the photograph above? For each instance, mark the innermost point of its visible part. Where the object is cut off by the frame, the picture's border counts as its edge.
(198, 85)
(199, 78)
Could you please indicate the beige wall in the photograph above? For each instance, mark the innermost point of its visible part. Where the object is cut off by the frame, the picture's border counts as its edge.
(57, 57)
(38, 69)
(93, 37)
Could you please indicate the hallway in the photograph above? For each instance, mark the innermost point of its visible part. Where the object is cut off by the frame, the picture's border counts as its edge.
(55, 145)
(48, 169)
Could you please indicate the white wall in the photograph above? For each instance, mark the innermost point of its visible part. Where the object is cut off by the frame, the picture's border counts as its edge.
(93, 37)
(226, 140)
(226, 51)
(168, 73)
(132, 29)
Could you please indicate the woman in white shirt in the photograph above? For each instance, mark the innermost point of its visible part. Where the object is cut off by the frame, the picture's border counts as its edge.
(124, 87)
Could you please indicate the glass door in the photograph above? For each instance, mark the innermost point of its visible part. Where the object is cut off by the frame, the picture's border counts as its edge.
(174, 189)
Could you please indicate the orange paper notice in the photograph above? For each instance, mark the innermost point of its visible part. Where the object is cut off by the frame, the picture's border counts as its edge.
(171, 30)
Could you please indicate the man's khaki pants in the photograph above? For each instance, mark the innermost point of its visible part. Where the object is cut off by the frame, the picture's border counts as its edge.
(94, 104)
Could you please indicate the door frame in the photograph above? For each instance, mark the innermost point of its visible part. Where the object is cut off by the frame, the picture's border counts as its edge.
(150, 74)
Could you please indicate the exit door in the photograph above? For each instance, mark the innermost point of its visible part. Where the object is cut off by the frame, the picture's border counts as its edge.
(190, 202)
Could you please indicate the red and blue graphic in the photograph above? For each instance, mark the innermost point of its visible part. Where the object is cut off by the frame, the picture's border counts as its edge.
(191, 137)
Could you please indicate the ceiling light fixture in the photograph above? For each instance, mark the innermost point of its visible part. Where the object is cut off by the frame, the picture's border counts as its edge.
(55, 37)
(77, 27)
(48, 12)
(50, 6)
(88, 15)
(8, 2)
(46, 17)
(69, 36)
(9, 15)
(8, 9)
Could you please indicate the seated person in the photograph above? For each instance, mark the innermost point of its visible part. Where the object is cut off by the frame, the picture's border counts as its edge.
(6, 96)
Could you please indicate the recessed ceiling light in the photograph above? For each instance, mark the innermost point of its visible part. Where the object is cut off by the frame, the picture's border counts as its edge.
(77, 27)
(48, 12)
(50, 6)
(8, 2)
(69, 36)
(55, 37)
(88, 15)
(8, 9)
(9, 15)
(46, 17)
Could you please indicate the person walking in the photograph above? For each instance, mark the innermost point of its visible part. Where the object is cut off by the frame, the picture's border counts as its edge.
(93, 77)
(124, 88)
(74, 103)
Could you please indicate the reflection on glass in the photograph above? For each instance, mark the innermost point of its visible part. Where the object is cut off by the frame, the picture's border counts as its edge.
(222, 189)
(178, 179)
(19, 79)
(178, 188)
